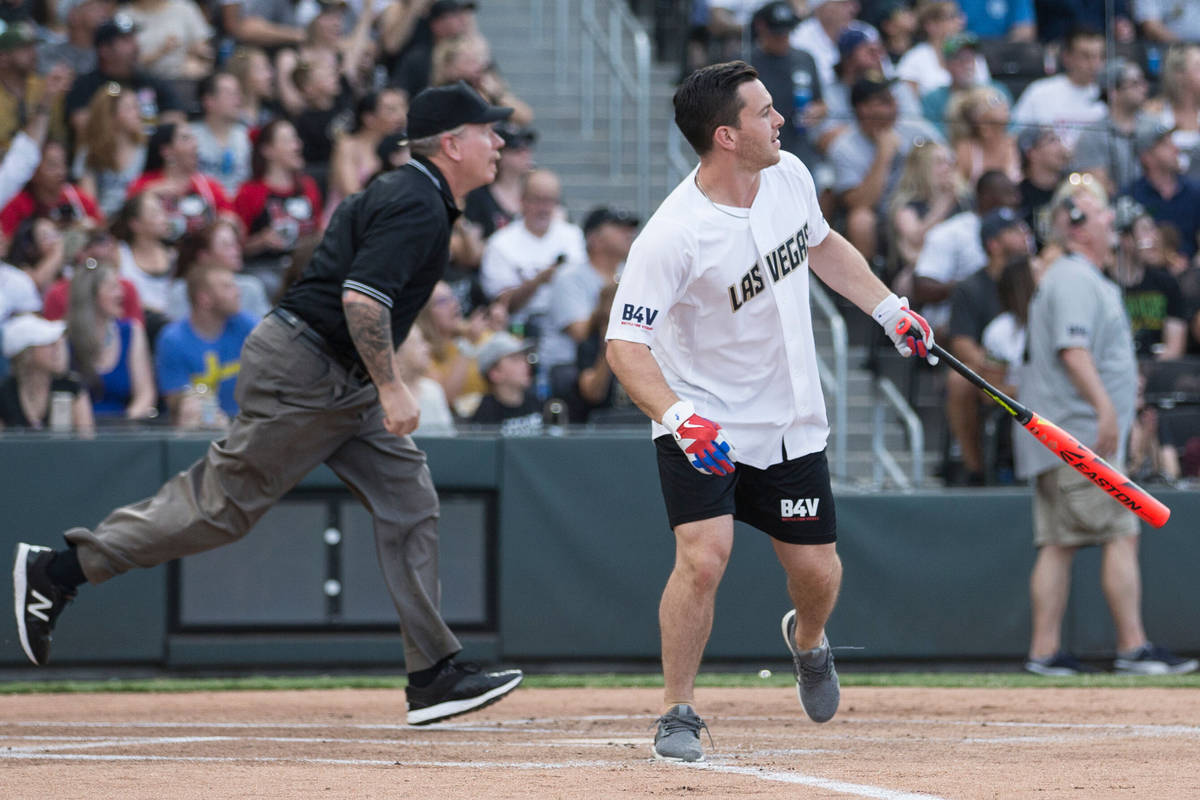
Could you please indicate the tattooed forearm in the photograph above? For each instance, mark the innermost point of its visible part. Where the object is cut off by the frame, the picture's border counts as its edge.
(371, 329)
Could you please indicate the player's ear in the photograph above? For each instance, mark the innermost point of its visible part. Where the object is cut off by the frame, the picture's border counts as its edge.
(723, 137)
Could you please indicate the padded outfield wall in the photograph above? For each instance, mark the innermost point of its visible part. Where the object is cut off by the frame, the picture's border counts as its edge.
(552, 549)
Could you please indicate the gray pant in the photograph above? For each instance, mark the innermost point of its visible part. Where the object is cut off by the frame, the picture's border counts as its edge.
(298, 408)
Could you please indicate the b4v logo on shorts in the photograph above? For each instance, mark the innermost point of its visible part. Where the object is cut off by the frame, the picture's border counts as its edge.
(803, 509)
(642, 316)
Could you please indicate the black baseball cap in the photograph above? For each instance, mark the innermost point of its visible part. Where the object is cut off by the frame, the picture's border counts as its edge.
(867, 87)
(603, 215)
(442, 108)
(443, 7)
(121, 24)
(778, 16)
(996, 222)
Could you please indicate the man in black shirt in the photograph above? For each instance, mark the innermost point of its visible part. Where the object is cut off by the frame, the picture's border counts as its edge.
(116, 61)
(791, 77)
(974, 302)
(510, 401)
(319, 383)
(1044, 159)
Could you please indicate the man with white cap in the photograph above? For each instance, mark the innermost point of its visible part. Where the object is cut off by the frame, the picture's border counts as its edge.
(318, 383)
(39, 394)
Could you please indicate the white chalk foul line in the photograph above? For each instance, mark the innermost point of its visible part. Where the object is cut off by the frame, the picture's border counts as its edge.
(842, 787)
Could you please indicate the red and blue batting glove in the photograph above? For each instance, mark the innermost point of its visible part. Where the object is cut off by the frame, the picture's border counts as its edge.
(907, 329)
(700, 439)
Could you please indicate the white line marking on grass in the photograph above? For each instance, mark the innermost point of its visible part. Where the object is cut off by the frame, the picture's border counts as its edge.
(844, 787)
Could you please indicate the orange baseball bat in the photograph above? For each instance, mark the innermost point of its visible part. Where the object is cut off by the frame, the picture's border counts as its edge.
(1069, 449)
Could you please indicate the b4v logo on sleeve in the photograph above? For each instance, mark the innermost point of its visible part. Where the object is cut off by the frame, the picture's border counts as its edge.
(803, 509)
(641, 316)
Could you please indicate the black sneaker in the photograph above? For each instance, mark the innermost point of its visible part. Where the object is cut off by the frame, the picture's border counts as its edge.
(37, 600)
(457, 689)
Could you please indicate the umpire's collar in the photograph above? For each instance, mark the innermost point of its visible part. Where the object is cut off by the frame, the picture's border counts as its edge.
(430, 171)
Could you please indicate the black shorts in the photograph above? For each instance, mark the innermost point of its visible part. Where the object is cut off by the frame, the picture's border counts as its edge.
(791, 501)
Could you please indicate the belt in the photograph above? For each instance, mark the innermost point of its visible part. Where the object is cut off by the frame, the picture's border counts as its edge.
(351, 365)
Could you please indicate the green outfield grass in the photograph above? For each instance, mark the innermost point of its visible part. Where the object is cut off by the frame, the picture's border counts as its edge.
(949, 680)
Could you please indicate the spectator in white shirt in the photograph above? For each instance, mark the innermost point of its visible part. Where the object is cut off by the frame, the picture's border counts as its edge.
(1070, 101)
(520, 259)
(818, 34)
(924, 66)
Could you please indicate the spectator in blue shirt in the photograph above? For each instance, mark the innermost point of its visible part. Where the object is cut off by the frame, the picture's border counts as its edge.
(1000, 19)
(1162, 190)
(203, 350)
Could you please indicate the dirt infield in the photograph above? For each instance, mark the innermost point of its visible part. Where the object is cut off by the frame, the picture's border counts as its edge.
(891, 744)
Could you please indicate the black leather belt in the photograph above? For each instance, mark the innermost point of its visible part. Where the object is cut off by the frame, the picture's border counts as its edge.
(305, 330)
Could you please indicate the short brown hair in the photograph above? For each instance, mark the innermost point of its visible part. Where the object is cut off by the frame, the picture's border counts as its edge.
(708, 99)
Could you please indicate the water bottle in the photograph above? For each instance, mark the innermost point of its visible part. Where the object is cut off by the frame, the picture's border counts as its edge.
(60, 411)
(209, 405)
(1153, 60)
(554, 416)
(802, 94)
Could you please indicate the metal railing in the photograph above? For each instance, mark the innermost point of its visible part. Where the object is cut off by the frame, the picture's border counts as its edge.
(889, 395)
(605, 42)
(834, 380)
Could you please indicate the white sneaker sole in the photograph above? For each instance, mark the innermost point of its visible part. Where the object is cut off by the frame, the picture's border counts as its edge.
(1050, 672)
(675, 759)
(1155, 668)
(20, 562)
(452, 708)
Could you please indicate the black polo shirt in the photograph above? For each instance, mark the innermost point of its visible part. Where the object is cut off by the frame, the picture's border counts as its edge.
(389, 242)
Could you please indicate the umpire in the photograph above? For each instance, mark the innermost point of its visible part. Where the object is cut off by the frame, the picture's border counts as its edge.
(318, 383)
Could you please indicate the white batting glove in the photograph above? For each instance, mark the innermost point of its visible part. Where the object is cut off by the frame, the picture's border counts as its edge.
(907, 329)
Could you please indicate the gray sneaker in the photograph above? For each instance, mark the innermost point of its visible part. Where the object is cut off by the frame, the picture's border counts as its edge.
(678, 735)
(816, 679)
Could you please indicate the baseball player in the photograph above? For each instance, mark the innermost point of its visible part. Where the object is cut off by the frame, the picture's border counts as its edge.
(711, 336)
(319, 383)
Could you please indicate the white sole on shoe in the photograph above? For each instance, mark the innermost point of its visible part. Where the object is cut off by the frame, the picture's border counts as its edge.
(675, 759)
(452, 708)
(1155, 668)
(1050, 672)
(20, 588)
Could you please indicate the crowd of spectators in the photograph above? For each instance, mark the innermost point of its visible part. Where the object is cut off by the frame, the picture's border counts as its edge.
(168, 166)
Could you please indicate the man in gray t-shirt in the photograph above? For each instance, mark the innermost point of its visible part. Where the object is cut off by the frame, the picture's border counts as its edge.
(1082, 374)
(869, 157)
(1078, 313)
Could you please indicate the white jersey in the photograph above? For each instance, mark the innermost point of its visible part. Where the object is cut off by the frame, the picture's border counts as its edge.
(720, 295)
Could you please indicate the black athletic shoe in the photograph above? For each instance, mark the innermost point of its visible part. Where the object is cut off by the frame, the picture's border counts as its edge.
(37, 600)
(457, 689)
